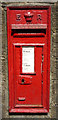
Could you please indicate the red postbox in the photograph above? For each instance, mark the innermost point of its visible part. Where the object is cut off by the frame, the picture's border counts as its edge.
(28, 31)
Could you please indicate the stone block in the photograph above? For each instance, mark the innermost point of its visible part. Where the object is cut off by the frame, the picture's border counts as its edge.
(51, 1)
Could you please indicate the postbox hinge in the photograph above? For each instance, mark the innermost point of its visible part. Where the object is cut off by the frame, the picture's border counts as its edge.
(42, 64)
(42, 57)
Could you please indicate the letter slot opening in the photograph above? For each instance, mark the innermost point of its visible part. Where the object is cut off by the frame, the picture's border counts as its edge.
(28, 32)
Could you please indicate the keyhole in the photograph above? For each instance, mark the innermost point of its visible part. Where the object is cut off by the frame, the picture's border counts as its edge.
(22, 80)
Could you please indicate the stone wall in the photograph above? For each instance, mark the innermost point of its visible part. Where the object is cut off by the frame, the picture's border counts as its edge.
(0, 62)
(4, 58)
(57, 59)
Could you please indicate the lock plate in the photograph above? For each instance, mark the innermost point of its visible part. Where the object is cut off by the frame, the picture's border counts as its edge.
(25, 80)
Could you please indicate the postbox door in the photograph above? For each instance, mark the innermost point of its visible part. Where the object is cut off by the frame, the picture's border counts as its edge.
(28, 75)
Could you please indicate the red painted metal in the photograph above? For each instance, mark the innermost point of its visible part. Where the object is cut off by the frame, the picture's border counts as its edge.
(29, 92)
(23, 34)
(28, 16)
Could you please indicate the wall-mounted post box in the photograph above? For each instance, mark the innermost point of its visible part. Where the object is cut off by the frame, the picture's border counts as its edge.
(28, 31)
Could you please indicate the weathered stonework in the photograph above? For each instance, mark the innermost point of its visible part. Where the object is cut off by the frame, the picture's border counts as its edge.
(0, 62)
(57, 59)
(53, 78)
(51, 1)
